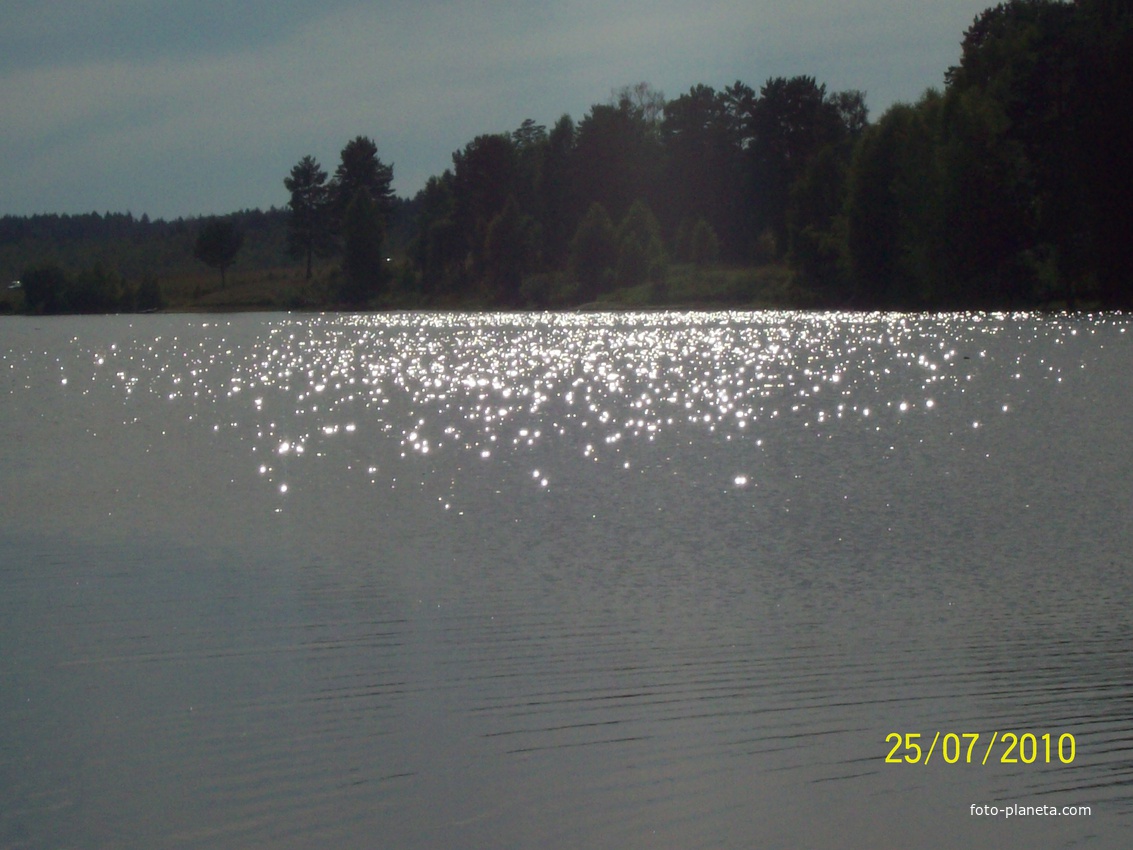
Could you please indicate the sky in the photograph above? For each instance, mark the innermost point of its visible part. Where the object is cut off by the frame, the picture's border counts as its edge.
(197, 107)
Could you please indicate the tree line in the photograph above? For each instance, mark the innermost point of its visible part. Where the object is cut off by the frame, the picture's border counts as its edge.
(1009, 186)
(99, 262)
(532, 216)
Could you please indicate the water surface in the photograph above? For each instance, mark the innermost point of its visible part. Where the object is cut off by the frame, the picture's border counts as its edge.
(517, 580)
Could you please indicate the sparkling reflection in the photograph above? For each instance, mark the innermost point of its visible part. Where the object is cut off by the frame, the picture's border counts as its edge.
(638, 575)
(503, 385)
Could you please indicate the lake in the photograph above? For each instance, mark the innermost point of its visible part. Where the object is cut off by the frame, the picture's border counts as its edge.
(451, 580)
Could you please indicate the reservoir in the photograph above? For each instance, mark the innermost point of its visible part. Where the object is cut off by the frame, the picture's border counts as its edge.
(517, 580)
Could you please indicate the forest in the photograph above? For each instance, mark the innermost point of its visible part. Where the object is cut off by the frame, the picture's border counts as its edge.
(1008, 187)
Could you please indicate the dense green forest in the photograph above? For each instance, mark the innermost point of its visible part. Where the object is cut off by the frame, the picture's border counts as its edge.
(1008, 187)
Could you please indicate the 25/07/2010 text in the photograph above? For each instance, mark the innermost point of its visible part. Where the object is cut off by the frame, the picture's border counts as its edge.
(1027, 748)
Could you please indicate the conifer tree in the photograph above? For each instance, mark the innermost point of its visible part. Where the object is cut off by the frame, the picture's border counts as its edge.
(309, 225)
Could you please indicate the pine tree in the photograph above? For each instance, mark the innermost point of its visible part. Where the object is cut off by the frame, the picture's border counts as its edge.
(361, 170)
(309, 226)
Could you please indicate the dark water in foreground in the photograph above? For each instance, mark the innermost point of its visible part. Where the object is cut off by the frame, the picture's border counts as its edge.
(510, 581)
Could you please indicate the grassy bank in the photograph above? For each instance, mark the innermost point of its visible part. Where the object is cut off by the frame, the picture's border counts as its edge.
(772, 286)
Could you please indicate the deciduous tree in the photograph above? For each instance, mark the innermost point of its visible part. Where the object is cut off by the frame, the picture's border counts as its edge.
(217, 245)
(593, 252)
(704, 247)
(790, 123)
(616, 159)
(641, 256)
(557, 207)
(363, 261)
(511, 250)
(485, 174)
(703, 160)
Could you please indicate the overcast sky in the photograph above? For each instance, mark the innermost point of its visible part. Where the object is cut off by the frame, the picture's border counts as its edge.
(189, 107)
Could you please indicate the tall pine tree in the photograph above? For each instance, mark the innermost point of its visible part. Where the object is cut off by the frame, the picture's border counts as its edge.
(309, 226)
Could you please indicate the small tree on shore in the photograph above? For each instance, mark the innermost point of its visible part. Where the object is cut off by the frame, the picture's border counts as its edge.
(703, 246)
(217, 245)
(641, 256)
(593, 252)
